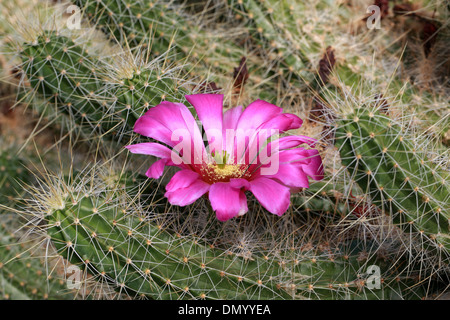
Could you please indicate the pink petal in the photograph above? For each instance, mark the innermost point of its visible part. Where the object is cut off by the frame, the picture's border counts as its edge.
(284, 143)
(231, 118)
(182, 179)
(185, 187)
(299, 139)
(315, 167)
(227, 201)
(166, 120)
(156, 169)
(187, 196)
(272, 195)
(282, 122)
(243, 203)
(172, 115)
(150, 148)
(308, 160)
(240, 183)
(278, 124)
(256, 114)
(157, 150)
(289, 175)
(209, 108)
(152, 128)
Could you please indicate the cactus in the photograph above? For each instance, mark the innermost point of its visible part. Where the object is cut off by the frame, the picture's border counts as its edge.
(64, 72)
(394, 169)
(324, 198)
(210, 52)
(104, 232)
(135, 23)
(301, 33)
(24, 275)
(13, 172)
(296, 31)
(117, 226)
(162, 26)
(96, 221)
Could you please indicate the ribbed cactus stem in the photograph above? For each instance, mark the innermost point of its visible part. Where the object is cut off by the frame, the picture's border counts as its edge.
(65, 73)
(263, 16)
(133, 22)
(23, 274)
(106, 232)
(162, 26)
(324, 197)
(13, 172)
(140, 257)
(384, 161)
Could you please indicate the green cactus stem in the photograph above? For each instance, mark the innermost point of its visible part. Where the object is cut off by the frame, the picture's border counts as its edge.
(385, 161)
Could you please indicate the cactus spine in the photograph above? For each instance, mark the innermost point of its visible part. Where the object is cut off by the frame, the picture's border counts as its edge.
(390, 167)
(24, 275)
(134, 241)
(105, 231)
(65, 74)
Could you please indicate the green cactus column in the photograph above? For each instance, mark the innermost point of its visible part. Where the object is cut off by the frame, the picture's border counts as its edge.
(24, 273)
(209, 53)
(99, 223)
(133, 23)
(399, 174)
(13, 172)
(84, 87)
(162, 26)
(110, 236)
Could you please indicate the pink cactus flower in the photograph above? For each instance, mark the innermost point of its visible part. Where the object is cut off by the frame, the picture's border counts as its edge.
(242, 152)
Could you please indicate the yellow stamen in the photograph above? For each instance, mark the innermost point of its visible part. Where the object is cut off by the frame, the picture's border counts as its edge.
(227, 170)
(214, 172)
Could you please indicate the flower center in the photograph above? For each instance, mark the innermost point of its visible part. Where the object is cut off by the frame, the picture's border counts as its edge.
(220, 168)
(213, 172)
(223, 171)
